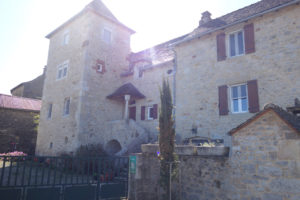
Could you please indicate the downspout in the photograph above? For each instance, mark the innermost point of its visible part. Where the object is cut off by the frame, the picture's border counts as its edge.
(174, 86)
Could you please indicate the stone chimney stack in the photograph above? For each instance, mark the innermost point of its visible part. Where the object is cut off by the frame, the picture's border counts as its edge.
(205, 18)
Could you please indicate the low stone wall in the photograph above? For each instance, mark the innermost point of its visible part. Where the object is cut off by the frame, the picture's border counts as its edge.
(261, 167)
(197, 173)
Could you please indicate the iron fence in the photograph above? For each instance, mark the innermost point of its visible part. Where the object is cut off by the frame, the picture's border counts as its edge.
(23, 172)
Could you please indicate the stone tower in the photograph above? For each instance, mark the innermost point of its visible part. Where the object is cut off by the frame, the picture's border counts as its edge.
(86, 56)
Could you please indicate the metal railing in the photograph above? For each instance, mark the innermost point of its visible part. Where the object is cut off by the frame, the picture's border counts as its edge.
(22, 171)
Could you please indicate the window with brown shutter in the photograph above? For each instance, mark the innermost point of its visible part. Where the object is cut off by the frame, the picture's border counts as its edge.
(143, 109)
(221, 49)
(223, 100)
(249, 38)
(253, 96)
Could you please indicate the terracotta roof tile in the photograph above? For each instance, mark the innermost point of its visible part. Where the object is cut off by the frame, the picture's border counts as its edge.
(20, 103)
(237, 15)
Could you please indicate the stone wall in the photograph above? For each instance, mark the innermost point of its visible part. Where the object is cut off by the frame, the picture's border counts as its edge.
(17, 126)
(264, 164)
(274, 64)
(202, 173)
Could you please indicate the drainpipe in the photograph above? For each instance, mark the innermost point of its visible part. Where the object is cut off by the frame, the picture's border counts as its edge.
(174, 86)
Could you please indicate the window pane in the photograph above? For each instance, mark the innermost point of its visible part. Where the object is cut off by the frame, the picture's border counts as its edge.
(234, 92)
(50, 110)
(235, 105)
(65, 71)
(59, 73)
(244, 104)
(107, 36)
(243, 91)
(241, 42)
(232, 45)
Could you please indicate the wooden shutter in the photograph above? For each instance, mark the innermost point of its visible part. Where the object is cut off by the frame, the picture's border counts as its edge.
(221, 49)
(143, 109)
(155, 107)
(223, 100)
(253, 96)
(249, 38)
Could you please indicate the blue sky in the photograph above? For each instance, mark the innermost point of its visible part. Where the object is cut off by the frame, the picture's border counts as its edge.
(24, 24)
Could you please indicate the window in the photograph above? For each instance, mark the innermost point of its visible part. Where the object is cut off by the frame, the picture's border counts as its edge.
(236, 43)
(66, 38)
(239, 98)
(99, 67)
(49, 111)
(150, 113)
(66, 106)
(62, 70)
(106, 36)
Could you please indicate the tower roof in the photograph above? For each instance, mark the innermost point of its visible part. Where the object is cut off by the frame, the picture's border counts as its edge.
(97, 7)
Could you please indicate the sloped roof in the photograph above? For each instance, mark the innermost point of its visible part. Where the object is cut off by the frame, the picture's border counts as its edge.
(19, 103)
(125, 89)
(238, 16)
(289, 118)
(98, 7)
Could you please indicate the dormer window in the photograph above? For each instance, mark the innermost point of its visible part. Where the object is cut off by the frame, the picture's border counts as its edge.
(106, 36)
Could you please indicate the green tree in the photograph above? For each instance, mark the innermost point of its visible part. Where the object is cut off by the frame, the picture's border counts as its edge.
(166, 139)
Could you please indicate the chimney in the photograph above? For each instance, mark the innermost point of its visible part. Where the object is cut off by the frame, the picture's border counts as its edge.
(205, 18)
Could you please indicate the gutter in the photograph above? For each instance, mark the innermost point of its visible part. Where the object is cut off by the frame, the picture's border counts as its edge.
(237, 22)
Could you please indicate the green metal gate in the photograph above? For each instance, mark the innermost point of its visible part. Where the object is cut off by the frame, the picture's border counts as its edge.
(63, 178)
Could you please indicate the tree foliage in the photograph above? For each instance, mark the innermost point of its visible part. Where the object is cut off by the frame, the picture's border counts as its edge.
(166, 138)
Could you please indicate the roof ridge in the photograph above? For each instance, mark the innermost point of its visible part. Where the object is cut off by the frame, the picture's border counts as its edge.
(19, 97)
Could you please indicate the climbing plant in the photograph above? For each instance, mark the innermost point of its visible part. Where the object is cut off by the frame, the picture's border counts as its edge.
(167, 155)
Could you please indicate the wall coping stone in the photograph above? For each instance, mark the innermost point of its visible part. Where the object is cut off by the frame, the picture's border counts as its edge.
(190, 150)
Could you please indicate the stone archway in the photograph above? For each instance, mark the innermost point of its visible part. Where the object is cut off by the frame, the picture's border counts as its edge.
(112, 147)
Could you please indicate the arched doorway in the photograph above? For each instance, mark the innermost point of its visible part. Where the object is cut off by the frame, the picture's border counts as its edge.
(113, 147)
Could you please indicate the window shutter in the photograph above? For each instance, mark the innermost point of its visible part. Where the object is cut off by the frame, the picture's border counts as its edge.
(223, 100)
(221, 49)
(253, 96)
(143, 109)
(155, 111)
(249, 38)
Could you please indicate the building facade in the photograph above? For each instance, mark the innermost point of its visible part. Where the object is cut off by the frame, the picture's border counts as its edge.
(226, 70)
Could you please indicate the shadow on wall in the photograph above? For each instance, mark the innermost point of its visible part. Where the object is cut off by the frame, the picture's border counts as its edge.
(112, 147)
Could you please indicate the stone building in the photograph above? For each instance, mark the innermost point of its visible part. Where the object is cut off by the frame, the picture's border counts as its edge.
(31, 89)
(17, 126)
(264, 163)
(97, 91)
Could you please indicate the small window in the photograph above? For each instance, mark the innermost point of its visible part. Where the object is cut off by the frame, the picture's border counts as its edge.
(99, 67)
(236, 44)
(141, 73)
(239, 98)
(66, 38)
(106, 36)
(150, 113)
(49, 111)
(66, 106)
(50, 145)
(62, 70)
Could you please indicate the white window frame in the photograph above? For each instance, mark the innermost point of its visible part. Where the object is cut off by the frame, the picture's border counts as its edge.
(148, 112)
(66, 38)
(49, 111)
(62, 70)
(235, 33)
(65, 113)
(239, 99)
(103, 35)
(99, 67)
